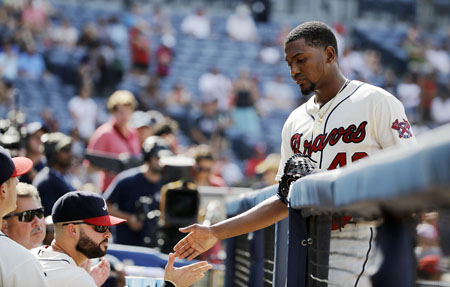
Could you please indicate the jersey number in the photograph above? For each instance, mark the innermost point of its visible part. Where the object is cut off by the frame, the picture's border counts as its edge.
(340, 159)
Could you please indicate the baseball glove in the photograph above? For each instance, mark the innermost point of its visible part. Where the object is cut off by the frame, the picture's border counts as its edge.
(297, 166)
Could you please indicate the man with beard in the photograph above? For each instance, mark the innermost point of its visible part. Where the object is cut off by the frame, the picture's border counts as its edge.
(53, 181)
(82, 225)
(26, 225)
(136, 187)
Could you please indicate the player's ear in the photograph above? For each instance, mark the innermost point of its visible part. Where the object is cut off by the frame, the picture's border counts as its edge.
(330, 54)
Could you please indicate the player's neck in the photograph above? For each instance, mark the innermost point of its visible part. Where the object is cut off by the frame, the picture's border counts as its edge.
(333, 85)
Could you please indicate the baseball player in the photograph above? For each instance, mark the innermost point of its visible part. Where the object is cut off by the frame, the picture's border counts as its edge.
(343, 122)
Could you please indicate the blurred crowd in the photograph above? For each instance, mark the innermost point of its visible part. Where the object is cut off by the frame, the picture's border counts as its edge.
(221, 127)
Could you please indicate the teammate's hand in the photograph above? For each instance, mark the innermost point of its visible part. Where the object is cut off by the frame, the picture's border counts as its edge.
(100, 272)
(199, 239)
(187, 275)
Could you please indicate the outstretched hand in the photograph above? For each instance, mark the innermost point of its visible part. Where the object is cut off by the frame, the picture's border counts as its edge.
(199, 239)
(187, 275)
(100, 271)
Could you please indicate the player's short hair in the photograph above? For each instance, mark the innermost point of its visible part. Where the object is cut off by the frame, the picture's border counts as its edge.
(316, 34)
(121, 97)
(25, 190)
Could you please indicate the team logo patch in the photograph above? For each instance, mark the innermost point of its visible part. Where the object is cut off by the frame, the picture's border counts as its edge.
(403, 128)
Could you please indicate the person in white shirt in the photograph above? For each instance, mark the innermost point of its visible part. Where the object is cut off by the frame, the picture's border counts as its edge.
(241, 26)
(18, 267)
(84, 112)
(215, 85)
(197, 24)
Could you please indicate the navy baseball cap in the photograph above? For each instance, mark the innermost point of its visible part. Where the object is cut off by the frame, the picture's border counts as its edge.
(83, 205)
(12, 167)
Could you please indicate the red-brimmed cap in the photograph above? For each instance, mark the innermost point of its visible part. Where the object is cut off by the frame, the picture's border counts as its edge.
(22, 165)
(83, 205)
(106, 220)
(12, 167)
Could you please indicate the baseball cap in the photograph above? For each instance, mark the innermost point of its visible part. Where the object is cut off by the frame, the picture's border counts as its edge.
(56, 141)
(12, 167)
(140, 119)
(83, 205)
(33, 127)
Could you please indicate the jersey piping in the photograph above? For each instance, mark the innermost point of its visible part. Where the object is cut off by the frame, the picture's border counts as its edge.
(326, 121)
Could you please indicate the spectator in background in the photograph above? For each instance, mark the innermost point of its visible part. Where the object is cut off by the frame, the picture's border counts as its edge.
(167, 129)
(267, 171)
(215, 85)
(160, 21)
(164, 55)
(269, 53)
(179, 104)
(429, 90)
(140, 49)
(34, 150)
(440, 108)
(278, 96)
(210, 125)
(125, 196)
(245, 130)
(116, 136)
(226, 167)
(31, 63)
(408, 91)
(88, 37)
(54, 180)
(204, 162)
(26, 225)
(64, 34)
(197, 24)
(34, 15)
(438, 58)
(142, 122)
(117, 32)
(49, 121)
(9, 62)
(150, 97)
(241, 26)
(84, 112)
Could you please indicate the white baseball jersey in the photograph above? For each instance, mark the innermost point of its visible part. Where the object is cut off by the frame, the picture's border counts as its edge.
(18, 267)
(361, 120)
(61, 269)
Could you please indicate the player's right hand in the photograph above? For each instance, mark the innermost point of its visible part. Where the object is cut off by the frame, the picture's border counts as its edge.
(199, 239)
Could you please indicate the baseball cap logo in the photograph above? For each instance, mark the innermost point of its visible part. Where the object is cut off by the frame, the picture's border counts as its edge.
(105, 207)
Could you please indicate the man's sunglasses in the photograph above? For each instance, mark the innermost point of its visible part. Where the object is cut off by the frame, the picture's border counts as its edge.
(28, 215)
(97, 228)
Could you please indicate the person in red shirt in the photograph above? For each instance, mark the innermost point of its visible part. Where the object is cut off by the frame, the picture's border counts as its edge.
(116, 137)
(140, 49)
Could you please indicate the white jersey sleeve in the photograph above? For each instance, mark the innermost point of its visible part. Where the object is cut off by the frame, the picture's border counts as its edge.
(391, 126)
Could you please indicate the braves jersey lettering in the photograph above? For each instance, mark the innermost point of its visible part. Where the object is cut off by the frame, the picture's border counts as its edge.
(349, 135)
(361, 121)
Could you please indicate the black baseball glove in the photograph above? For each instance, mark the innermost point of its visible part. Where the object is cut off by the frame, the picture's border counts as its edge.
(297, 166)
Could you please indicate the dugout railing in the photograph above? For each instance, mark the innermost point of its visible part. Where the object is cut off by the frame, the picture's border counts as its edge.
(389, 187)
